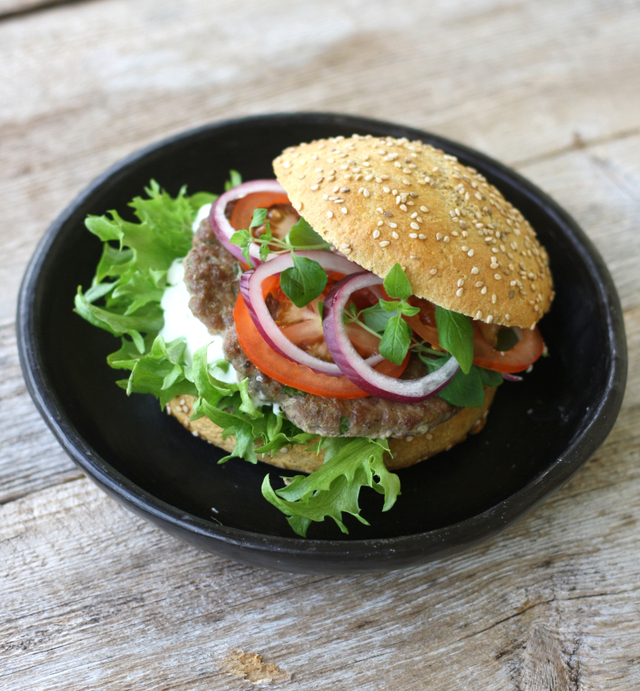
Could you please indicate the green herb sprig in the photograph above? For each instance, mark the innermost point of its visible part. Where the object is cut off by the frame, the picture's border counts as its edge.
(300, 237)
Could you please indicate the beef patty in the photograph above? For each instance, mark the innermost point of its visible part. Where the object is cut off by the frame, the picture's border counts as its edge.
(212, 278)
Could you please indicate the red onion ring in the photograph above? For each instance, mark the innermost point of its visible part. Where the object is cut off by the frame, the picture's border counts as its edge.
(358, 370)
(510, 377)
(220, 223)
(251, 289)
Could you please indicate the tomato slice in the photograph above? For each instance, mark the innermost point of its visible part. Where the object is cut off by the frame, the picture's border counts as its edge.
(291, 373)
(303, 325)
(281, 215)
(524, 353)
(424, 323)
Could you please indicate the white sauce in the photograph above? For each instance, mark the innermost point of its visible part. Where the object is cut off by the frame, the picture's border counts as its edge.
(179, 320)
(203, 212)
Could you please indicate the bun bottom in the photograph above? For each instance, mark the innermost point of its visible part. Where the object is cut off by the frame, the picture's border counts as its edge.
(406, 452)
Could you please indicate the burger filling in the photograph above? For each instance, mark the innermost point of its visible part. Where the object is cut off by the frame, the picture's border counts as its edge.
(212, 278)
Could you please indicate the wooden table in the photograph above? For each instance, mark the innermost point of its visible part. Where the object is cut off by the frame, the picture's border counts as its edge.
(94, 598)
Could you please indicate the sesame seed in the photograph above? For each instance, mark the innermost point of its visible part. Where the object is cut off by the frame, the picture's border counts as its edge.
(413, 235)
(433, 272)
(497, 277)
(478, 314)
(366, 192)
(460, 282)
(395, 235)
(423, 237)
(344, 209)
(484, 290)
(329, 214)
(494, 297)
(376, 234)
(414, 225)
(403, 207)
(384, 243)
(314, 187)
(475, 270)
(470, 253)
(392, 225)
(507, 317)
(424, 209)
(489, 318)
(459, 292)
(445, 239)
(465, 248)
(386, 190)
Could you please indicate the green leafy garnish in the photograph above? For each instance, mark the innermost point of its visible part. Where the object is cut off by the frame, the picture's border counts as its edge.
(304, 281)
(234, 180)
(455, 333)
(334, 489)
(396, 340)
(396, 333)
(397, 284)
(131, 274)
(303, 236)
(465, 389)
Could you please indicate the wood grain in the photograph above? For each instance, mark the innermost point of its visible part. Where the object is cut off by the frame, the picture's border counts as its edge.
(94, 598)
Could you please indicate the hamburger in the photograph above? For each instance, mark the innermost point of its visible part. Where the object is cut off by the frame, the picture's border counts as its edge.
(355, 316)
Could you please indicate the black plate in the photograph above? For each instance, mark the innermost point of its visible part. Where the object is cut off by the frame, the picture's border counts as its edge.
(539, 432)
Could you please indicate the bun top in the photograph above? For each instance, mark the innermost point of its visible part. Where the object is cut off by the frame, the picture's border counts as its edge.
(385, 200)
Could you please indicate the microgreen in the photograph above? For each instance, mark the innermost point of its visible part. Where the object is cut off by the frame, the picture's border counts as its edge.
(464, 390)
(304, 281)
(303, 236)
(396, 340)
(455, 333)
(234, 180)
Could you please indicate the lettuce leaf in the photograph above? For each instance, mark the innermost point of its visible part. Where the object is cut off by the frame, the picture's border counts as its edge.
(349, 465)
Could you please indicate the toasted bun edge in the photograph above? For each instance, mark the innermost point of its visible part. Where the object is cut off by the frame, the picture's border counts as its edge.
(406, 452)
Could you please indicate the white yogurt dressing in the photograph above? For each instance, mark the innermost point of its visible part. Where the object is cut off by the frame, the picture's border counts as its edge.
(179, 320)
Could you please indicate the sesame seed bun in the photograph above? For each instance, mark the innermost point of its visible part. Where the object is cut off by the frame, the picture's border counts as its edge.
(461, 244)
(406, 452)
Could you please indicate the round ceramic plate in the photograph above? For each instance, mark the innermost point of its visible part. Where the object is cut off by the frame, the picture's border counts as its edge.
(539, 431)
